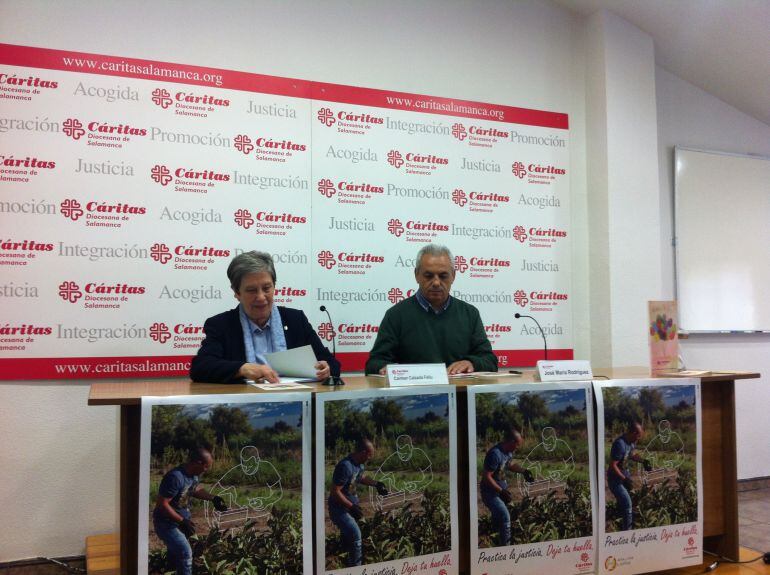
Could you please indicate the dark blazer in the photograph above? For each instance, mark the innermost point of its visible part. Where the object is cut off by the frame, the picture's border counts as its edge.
(223, 352)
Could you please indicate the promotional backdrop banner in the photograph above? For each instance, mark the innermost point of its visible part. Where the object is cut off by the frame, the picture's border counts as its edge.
(543, 519)
(250, 508)
(651, 489)
(126, 186)
(386, 487)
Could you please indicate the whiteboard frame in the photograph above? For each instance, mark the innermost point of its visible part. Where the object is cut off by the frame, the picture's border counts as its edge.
(675, 231)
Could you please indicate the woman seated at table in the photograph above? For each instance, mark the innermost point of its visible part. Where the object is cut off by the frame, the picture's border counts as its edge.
(237, 340)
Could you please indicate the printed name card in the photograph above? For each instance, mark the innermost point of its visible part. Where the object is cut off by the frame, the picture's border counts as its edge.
(405, 374)
(575, 370)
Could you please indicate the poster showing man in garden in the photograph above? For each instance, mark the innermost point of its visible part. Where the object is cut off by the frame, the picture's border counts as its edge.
(386, 482)
(225, 485)
(650, 496)
(531, 476)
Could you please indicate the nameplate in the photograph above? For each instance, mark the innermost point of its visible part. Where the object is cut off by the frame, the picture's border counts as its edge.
(577, 369)
(405, 374)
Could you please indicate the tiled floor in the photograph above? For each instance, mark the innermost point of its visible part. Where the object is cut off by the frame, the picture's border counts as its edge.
(754, 519)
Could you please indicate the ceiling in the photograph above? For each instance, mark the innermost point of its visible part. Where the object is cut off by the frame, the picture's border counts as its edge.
(721, 46)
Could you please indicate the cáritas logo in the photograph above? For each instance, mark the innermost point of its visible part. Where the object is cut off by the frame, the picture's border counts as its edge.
(98, 294)
(187, 179)
(27, 162)
(535, 170)
(416, 159)
(267, 222)
(326, 331)
(347, 262)
(348, 122)
(162, 254)
(479, 264)
(162, 98)
(415, 230)
(27, 82)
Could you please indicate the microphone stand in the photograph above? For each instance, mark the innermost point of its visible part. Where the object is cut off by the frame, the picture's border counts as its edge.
(542, 333)
(332, 379)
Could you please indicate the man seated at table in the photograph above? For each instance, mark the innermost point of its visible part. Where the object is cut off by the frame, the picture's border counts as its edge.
(432, 326)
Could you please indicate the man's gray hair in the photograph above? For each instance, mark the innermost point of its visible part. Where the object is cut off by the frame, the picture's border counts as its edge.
(433, 250)
(252, 262)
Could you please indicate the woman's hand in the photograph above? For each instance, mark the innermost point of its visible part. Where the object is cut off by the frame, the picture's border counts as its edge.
(323, 371)
(258, 373)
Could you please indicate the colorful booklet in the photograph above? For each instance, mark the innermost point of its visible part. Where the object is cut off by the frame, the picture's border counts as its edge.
(664, 337)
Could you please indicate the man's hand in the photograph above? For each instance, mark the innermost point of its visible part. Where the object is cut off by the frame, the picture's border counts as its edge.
(647, 465)
(322, 370)
(506, 496)
(462, 366)
(628, 483)
(356, 512)
(381, 489)
(257, 372)
(528, 477)
(219, 503)
(187, 527)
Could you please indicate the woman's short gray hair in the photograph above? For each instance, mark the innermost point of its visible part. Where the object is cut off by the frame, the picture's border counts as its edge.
(252, 262)
(433, 250)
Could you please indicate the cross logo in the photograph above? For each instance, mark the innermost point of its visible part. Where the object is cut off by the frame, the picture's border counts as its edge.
(160, 253)
(461, 264)
(395, 295)
(691, 541)
(161, 174)
(326, 117)
(584, 557)
(395, 227)
(520, 234)
(73, 128)
(459, 197)
(243, 219)
(395, 159)
(243, 144)
(70, 291)
(518, 170)
(326, 331)
(520, 298)
(159, 332)
(326, 259)
(71, 209)
(458, 131)
(326, 187)
(162, 98)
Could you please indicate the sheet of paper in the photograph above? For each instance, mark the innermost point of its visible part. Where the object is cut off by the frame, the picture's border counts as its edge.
(280, 386)
(297, 362)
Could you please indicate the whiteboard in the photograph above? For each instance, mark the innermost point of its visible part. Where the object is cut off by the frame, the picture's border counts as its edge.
(722, 239)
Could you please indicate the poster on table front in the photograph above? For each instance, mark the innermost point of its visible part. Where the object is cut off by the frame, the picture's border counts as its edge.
(237, 469)
(535, 442)
(392, 454)
(650, 487)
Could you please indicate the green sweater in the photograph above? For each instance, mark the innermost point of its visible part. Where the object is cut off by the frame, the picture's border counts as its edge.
(409, 334)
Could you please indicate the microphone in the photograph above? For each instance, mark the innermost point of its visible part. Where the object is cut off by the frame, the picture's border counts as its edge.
(333, 379)
(334, 333)
(545, 343)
